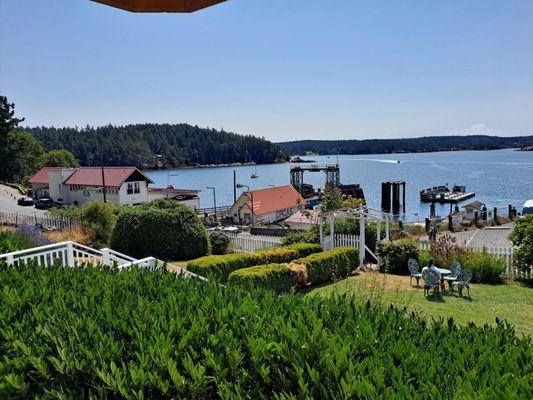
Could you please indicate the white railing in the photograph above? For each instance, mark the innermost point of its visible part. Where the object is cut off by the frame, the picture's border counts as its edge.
(72, 254)
(504, 252)
(243, 243)
(45, 220)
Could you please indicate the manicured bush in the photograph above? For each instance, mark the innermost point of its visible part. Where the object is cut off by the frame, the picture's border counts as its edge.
(90, 333)
(219, 243)
(172, 232)
(301, 237)
(395, 255)
(330, 265)
(219, 267)
(277, 277)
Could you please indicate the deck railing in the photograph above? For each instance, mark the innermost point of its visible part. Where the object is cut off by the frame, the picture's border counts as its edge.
(72, 254)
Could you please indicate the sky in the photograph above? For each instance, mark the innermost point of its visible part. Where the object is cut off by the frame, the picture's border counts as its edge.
(280, 69)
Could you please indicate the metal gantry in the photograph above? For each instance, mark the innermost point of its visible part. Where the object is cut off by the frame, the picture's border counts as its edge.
(331, 171)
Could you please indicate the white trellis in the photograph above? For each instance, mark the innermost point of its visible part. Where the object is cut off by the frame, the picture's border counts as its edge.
(364, 214)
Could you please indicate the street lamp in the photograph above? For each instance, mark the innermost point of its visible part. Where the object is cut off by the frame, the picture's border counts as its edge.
(214, 199)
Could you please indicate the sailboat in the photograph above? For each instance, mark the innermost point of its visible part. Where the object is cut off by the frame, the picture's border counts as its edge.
(254, 175)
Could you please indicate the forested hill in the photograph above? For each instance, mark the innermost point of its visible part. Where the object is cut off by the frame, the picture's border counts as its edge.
(415, 145)
(158, 145)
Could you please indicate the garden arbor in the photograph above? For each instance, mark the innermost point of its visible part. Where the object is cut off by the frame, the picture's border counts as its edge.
(175, 6)
(364, 215)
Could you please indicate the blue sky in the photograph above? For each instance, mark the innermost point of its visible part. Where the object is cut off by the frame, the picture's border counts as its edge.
(282, 69)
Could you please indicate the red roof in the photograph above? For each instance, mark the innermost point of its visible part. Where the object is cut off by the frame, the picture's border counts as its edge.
(92, 176)
(312, 218)
(42, 175)
(273, 199)
(172, 190)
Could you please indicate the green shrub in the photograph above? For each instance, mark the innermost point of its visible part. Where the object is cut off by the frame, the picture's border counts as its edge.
(301, 237)
(522, 238)
(485, 268)
(277, 277)
(394, 255)
(170, 233)
(423, 258)
(330, 265)
(89, 333)
(219, 243)
(10, 242)
(219, 267)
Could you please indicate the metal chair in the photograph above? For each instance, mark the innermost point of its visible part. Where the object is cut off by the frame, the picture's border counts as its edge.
(414, 269)
(463, 281)
(431, 281)
(455, 271)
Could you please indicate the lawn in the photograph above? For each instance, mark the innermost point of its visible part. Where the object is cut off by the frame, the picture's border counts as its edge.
(510, 301)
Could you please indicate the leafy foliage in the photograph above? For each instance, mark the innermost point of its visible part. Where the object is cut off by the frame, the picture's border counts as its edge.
(163, 229)
(8, 122)
(331, 200)
(219, 267)
(219, 243)
(277, 277)
(59, 158)
(158, 145)
(92, 333)
(394, 255)
(522, 237)
(10, 242)
(301, 237)
(330, 265)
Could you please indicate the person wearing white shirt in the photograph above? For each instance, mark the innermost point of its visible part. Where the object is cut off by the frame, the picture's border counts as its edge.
(431, 265)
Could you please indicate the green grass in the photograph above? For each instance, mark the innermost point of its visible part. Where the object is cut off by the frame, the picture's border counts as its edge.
(511, 302)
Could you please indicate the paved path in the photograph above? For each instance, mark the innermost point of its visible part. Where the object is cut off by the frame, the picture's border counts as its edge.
(487, 237)
(8, 201)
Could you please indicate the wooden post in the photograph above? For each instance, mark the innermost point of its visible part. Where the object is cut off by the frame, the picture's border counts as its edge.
(387, 227)
(378, 230)
(321, 230)
(70, 254)
(496, 214)
(361, 236)
(450, 223)
(332, 229)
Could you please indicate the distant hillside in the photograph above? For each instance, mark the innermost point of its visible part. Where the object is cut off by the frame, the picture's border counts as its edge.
(158, 145)
(415, 145)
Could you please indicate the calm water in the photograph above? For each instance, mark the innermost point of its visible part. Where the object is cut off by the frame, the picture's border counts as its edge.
(497, 177)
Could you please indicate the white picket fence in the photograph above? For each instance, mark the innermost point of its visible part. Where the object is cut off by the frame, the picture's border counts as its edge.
(243, 243)
(340, 240)
(505, 252)
(72, 254)
(45, 220)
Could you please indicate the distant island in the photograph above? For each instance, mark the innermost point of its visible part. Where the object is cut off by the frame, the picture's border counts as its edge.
(410, 145)
(150, 146)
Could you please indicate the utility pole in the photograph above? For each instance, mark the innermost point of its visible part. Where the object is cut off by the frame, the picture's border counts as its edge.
(214, 200)
(234, 186)
(103, 173)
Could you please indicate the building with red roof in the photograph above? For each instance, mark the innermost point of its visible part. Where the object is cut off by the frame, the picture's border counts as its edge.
(123, 186)
(266, 205)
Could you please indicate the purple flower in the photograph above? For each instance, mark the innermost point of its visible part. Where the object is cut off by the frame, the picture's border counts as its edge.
(33, 234)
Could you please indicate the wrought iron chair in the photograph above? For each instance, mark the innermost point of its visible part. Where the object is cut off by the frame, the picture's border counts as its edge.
(431, 281)
(463, 281)
(456, 270)
(414, 269)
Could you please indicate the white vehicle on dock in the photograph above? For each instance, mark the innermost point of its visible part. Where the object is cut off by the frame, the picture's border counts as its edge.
(528, 207)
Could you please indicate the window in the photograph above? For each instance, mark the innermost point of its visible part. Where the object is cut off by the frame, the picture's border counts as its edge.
(130, 188)
(137, 188)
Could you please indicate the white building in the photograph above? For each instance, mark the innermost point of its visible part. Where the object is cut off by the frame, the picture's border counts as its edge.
(123, 186)
(269, 205)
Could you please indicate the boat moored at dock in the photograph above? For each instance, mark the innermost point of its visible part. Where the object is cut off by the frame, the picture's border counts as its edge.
(442, 194)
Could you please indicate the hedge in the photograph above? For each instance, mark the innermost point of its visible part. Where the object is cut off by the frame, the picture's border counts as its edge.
(88, 333)
(219, 267)
(277, 277)
(329, 265)
(172, 232)
(395, 255)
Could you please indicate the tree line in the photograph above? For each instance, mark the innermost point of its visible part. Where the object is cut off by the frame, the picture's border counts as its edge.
(158, 145)
(411, 145)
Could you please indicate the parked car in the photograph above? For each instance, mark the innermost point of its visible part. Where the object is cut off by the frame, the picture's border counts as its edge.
(25, 201)
(44, 204)
(61, 204)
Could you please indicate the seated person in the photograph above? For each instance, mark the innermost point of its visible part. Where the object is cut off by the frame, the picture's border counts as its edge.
(431, 265)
